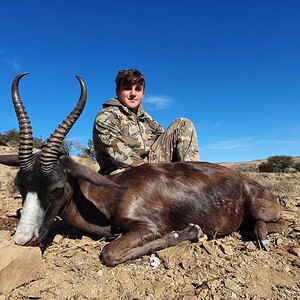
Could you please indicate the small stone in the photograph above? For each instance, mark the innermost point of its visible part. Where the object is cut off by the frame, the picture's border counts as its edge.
(17, 195)
(100, 273)
(57, 239)
(154, 261)
(5, 235)
(227, 249)
(159, 287)
(145, 287)
(250, 246)
(296, 263)
(214, 284)
(287, 269)
(8, 224)
(207, 247)
(125, 279)
(69, 253)
(295, 251)
(232, 285)
(167, 264)
(59, 262)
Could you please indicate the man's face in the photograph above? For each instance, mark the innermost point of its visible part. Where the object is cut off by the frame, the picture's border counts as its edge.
(131, 96)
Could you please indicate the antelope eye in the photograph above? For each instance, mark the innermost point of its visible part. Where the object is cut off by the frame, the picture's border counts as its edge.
(57, 192)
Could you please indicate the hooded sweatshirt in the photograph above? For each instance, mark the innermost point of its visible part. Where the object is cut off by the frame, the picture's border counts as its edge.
(122, 139)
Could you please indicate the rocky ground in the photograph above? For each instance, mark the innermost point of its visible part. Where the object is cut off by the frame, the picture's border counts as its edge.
(228, 268)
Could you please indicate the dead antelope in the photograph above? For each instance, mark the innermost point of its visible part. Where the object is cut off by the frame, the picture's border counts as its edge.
(154, 205)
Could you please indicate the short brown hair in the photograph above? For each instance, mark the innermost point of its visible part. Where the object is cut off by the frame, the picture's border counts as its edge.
(129, 77)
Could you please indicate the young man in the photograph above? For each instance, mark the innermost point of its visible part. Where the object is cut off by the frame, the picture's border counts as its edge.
(125, 136)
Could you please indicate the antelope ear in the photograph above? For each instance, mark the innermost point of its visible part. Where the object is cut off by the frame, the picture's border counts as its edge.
(82, 172)
(11, 160)
(91, 193)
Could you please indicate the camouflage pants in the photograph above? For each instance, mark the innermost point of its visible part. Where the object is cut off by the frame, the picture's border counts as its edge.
(178, 143)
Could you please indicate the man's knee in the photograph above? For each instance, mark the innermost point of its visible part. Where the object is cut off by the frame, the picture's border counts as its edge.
(185, 126)
(183, 122)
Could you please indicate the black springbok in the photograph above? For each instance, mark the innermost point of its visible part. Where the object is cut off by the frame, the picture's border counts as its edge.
(154, 206)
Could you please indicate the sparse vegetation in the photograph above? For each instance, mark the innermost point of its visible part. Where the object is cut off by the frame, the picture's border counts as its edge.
(297, 167)
(11, 138)
(87, 151)
(277, 164)
(67, 146)
(38, 143)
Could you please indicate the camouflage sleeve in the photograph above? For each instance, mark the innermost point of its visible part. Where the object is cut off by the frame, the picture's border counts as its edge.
(108, 131)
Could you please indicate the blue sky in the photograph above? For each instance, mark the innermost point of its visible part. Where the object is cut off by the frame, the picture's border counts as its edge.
(232, 67)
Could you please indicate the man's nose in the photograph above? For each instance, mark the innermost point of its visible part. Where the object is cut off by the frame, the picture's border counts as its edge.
(132, 92)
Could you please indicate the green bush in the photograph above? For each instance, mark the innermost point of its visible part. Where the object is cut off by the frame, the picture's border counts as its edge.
(11, 138)
(297, 167)
(277, 164)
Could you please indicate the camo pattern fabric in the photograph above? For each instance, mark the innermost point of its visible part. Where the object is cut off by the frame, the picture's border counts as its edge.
(123, 139)
(178, 143)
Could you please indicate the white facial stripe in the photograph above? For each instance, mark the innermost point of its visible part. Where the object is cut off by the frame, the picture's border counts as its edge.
(31, 219)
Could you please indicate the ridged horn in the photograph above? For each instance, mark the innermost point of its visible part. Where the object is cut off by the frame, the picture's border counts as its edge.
(50, 149)
(25, 130)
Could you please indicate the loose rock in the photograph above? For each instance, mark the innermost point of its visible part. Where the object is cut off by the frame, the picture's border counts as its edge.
(18, 265)
(227, 249)
(5, 235)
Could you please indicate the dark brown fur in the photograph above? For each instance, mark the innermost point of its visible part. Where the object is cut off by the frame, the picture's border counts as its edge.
(162, 198)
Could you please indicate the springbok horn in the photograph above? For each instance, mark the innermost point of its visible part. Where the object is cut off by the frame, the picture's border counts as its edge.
(50, 149)
(25, 130)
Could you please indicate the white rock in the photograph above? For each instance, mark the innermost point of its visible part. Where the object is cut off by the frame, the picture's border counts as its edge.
(154, 261)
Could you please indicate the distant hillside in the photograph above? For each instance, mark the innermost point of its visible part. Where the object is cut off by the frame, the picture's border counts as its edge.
(247, 166)
(250, 166)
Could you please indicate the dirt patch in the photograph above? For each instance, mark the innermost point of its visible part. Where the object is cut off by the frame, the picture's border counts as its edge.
(228, 268)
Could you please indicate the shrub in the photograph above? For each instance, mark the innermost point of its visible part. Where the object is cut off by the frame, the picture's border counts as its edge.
(277, 164)
(9, 138)
(67, 146)
(88, 150)
(297, 167)
(38, 143)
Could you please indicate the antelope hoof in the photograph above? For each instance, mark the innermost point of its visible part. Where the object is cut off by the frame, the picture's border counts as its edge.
(264, 244)
(195, 230)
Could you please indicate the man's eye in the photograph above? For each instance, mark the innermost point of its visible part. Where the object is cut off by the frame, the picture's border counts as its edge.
(128, 88)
